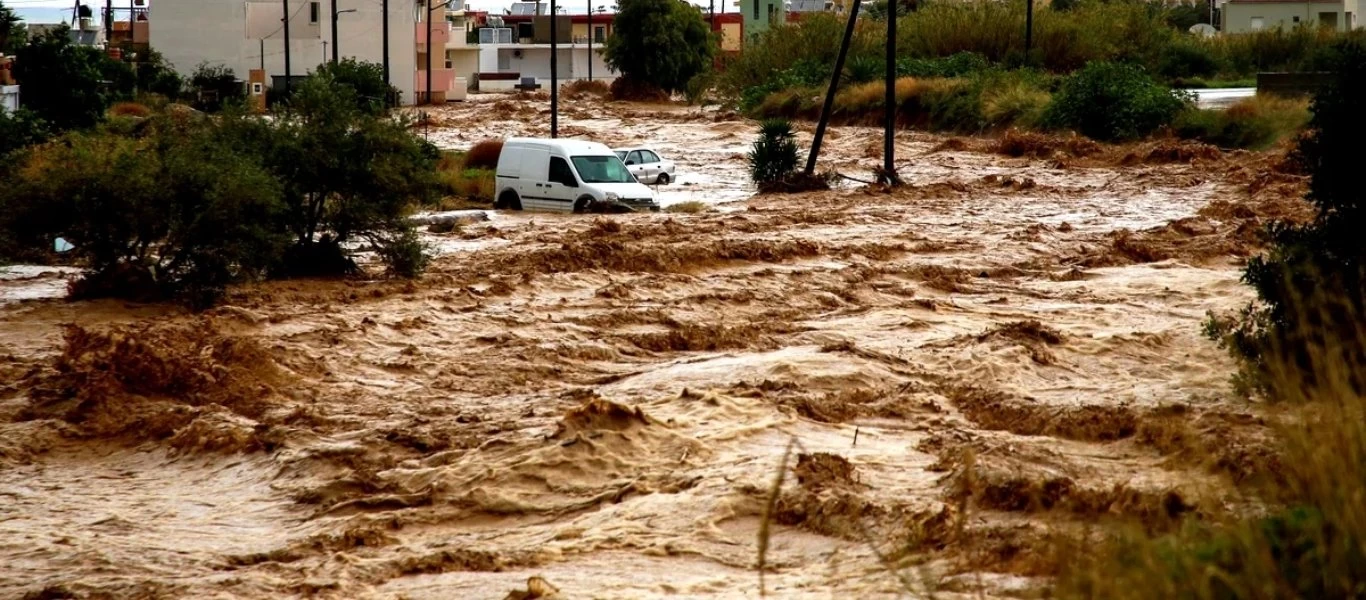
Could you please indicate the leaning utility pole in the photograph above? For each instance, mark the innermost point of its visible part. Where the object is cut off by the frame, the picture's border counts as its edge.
(286, 6)
(888, 175)
(554, 75)
(830, 93)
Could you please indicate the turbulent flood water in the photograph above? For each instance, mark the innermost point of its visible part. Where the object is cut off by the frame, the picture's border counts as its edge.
(600, 407)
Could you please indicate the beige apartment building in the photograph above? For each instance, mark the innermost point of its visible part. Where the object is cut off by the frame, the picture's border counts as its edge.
(1243, 16)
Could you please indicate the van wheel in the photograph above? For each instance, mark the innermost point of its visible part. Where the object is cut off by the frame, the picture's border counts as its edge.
(508, 201)
(581, 205)
(663, 179)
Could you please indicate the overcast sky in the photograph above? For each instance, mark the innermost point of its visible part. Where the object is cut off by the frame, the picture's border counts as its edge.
(53, 11)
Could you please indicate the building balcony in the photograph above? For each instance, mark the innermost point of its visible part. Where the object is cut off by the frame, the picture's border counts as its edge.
(441, 80)
(440, 33)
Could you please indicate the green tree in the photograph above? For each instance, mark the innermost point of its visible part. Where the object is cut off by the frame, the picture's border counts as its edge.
(347, 175)
(62, 81)
(662, 43)
(366, 82)
(13, 35)
(172, 213)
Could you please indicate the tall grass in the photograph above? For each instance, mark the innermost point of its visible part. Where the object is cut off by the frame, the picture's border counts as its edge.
(1310, 543)
(1256, 123)
(802, 54)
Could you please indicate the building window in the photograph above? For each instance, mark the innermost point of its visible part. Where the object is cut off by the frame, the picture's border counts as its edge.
(419, 11)
(756, 10)
(312, 13)
(1257, 24)
(599, 33)
(1295, 19)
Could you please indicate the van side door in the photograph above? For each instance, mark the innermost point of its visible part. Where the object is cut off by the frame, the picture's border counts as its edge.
(562, 186)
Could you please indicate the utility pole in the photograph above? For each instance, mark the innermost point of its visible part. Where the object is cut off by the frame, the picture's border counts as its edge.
(430, 9)
(335, 42)
(554, 74)
(286, 6)
(334, 33)
(384, 18)
(108, 22)
(1029, 28)
(590, 40)
(830, 93)
(262, 41)
(889, 134)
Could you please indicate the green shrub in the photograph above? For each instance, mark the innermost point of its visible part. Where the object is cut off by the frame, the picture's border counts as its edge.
(1188, 59)
(20, 129)
(774, 156)
(406, 255)
(957, 65)
(1113, 101)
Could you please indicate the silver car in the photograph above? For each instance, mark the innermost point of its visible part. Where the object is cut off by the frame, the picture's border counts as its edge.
(647, 165)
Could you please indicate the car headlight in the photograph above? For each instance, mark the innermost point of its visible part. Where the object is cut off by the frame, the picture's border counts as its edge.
(612, 197)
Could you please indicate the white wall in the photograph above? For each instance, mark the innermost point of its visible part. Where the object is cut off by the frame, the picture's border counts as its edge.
(535, 62)
(229, 32)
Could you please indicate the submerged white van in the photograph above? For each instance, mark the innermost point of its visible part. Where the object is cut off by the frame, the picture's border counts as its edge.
(565, 176)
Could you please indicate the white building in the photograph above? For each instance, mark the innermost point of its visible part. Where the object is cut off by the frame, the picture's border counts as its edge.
(246, 35)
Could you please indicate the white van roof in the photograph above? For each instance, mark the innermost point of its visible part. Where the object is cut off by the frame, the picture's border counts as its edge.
(568, 146)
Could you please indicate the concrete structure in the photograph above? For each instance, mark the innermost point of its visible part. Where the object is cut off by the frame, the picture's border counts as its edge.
(9, 98)
(1242, 16)
(247, 35)
(759, 15)
(501, 66)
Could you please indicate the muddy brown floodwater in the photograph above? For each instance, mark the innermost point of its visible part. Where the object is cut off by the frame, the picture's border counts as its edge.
(1004, 348)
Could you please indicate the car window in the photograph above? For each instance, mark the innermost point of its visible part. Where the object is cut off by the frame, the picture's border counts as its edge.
(633, 157)
(650, 157)
(621, 154)
(560, 173)
(602, 169)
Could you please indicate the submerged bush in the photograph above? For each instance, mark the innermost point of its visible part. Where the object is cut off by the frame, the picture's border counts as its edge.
(1113, 101)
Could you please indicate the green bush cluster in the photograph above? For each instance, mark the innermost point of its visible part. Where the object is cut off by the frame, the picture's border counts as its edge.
(1114, 102)
(180, 204)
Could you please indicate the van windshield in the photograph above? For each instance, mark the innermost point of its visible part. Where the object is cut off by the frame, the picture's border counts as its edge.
(602, 169)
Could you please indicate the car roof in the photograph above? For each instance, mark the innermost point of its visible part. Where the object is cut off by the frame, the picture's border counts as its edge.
(634, 148)
(569, 146)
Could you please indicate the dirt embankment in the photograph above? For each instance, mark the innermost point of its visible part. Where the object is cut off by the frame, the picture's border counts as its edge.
(1004, 350)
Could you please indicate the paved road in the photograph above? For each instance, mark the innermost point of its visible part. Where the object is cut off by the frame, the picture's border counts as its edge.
(1222, 97)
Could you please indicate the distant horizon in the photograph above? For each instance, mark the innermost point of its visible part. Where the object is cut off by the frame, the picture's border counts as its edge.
(58, 11)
